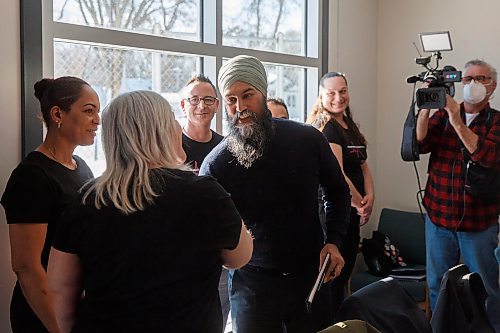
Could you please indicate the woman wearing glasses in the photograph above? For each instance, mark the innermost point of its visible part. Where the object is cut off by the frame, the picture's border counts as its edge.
(332, 115)
(200, 104)
(147, 259)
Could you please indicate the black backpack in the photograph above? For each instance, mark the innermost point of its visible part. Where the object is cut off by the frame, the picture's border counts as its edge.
(481, 181)
(380, 255)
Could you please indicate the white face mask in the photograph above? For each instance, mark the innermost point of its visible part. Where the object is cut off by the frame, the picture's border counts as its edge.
(474, 92)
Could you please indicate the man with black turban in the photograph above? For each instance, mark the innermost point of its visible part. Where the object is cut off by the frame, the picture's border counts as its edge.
(272, 168)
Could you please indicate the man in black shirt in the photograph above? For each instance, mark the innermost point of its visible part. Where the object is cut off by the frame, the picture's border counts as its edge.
(272, 168)
(200, 104)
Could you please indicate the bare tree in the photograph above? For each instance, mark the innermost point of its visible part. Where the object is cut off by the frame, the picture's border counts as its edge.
(133, 15)
(278, 18)
(260, 16)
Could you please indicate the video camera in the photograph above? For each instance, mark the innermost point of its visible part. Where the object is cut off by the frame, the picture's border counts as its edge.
(440, 81)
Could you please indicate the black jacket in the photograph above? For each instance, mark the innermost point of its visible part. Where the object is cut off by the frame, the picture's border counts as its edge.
(460, 306)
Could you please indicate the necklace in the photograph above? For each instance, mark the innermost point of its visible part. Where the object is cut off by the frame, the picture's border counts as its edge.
(52, 152)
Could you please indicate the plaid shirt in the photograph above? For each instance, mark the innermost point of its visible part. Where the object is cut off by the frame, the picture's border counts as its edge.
(447, 204)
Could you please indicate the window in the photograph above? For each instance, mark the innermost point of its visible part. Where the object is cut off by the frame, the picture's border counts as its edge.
(161, 18)
(272, 25)
(289, 84)
(111, 71)
(119, 46)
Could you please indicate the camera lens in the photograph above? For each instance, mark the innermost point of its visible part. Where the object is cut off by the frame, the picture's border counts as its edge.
(433, 97)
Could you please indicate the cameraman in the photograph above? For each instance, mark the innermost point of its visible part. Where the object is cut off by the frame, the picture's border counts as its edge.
(458, 223)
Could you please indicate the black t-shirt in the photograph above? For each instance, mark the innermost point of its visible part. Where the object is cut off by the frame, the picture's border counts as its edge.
(353, 152)
(277, 196)
(155, 270)
(197, 151)
(38, 191)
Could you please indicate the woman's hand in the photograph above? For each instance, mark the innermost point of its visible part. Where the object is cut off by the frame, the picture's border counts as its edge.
(356, 200)
(26, 242)
(365, 211)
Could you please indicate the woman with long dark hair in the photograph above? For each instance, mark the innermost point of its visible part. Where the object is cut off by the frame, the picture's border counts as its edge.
(332, 115)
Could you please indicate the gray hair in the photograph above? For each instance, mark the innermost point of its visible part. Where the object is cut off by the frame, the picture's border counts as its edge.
(245, 69)
(478, 62)
(138, 133)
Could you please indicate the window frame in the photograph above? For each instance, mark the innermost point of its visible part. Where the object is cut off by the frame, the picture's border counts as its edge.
(38, 32)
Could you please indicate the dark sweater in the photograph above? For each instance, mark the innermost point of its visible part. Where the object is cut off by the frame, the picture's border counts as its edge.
(277, 197)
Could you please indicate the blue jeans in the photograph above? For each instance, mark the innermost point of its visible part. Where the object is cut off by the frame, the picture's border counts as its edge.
(273, 303)
(443, 250)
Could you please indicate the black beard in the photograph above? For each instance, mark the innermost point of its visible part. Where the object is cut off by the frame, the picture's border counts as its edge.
(248, 142)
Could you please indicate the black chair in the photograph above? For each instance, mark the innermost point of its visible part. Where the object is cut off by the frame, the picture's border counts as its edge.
(460, 307)
(406, 230)
(387, 306)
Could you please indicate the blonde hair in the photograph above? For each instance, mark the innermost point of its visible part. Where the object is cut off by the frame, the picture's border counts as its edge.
(138, 133)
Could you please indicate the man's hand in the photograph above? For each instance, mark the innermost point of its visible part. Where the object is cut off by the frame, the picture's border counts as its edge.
(453, 110)
(336, 263)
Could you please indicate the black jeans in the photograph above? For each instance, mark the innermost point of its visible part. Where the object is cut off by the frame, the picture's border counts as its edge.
(272, 302)
(349, 251)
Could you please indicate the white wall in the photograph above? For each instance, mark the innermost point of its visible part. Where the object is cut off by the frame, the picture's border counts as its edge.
(371, 41)
(353, 51)
(474, 34)
(10, 136)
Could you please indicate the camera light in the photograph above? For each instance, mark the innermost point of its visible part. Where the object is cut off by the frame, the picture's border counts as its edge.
(436, 41)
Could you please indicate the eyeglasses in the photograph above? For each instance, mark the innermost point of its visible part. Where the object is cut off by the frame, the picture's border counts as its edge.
(195, 100)
(478, 78)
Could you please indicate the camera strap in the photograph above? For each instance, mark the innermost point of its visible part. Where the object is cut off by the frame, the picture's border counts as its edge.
(409, 147)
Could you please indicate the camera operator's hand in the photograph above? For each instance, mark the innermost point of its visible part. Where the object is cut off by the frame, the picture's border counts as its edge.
(453, 110)
(465, 134)
(422, 123)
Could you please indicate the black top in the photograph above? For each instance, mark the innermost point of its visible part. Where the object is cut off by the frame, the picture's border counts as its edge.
(196, 151)
(277, 196)
(38, 191)
(155, 270)
(353, 152)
